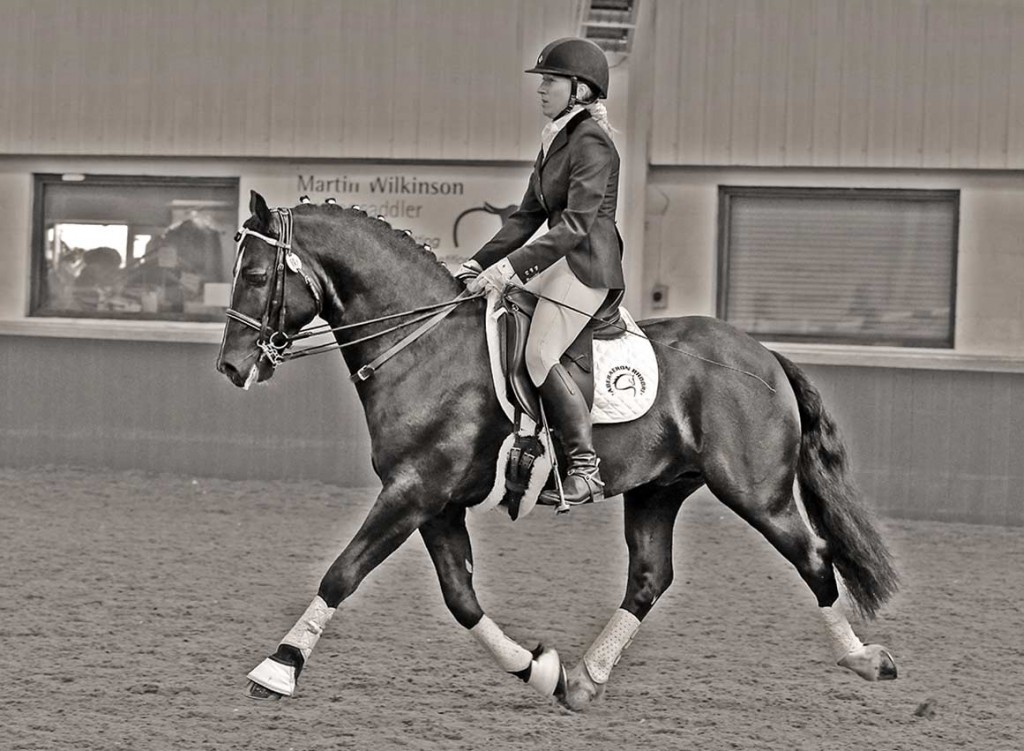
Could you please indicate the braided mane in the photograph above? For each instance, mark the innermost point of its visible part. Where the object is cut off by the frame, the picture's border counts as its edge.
(399, 239)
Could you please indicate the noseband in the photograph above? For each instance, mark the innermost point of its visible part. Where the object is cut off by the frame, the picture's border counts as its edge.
(273, 340)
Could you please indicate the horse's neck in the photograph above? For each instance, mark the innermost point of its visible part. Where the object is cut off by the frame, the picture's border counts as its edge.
(439, 380)
(374, 275)
(440, 383)
(378, 276)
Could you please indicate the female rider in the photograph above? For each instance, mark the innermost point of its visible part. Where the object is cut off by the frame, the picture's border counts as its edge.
(578, 261)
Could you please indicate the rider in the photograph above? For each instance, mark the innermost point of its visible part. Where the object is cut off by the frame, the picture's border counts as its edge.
(578, 261)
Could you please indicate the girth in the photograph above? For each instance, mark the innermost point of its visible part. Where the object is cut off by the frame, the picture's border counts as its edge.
(577, 360)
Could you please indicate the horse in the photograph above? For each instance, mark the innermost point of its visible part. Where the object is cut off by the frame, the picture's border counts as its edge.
(756, 433)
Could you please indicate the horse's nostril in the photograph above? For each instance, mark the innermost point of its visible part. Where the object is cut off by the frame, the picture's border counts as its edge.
(228, 369)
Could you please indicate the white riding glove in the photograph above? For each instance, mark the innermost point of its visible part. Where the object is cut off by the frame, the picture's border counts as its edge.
(494, 278)
(467, 271)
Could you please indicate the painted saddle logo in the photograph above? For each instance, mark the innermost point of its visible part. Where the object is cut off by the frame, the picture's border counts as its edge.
(625, 379)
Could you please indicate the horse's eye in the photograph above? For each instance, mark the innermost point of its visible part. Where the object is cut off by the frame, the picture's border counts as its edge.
(255, 277)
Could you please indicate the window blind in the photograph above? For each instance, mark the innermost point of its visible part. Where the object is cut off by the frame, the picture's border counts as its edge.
(864, 266)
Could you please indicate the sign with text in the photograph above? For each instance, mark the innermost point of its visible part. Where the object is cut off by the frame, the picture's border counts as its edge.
(453, 209)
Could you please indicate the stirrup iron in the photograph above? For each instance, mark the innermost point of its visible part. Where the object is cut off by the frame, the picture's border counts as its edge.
(562, 507)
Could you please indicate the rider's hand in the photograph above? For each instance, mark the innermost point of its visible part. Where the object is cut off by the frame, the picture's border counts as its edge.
(467, 271)
(493, 278)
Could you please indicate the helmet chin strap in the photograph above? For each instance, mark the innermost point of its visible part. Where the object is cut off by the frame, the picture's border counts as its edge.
(573, 85)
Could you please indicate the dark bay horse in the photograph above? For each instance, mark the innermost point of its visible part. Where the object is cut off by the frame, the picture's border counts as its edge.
(753, 432)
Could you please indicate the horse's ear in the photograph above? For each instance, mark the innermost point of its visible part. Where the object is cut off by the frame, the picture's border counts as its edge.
(258, 208)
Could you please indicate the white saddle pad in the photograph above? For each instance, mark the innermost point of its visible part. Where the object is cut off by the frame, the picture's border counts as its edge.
(625, 371)
(625, 375)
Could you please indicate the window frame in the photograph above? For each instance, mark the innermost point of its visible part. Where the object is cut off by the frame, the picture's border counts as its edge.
(909, 195)
(37, 251)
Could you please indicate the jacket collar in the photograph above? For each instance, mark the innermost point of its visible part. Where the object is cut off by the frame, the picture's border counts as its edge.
(562, 138)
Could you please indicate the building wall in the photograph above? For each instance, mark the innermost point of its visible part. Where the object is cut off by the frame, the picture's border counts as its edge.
(839, 83)
(682, 242)
(388, 79)
(932, 444)
(163, 407)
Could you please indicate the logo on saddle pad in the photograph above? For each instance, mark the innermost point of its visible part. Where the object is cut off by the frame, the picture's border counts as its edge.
(625, 378)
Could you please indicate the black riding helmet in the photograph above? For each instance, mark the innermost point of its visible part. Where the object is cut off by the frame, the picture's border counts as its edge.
(578, 60)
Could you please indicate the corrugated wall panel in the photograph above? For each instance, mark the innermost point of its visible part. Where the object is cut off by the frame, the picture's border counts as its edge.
(16, 97)
(850, 83)
(931, 444)
(855, 93)
(746, 102)
(429, 79)
(161, 407)
(800, 88)
(909, 29)
(1015, 120)
(774, 76)
(994, 92)
(666, 111)
(940, 51)
(134, 84)
(828, 82)
(43, 101)
(720, 75)
(432, 59)
(405, 123)
(882, 83)
(970, 42)
(157, 121)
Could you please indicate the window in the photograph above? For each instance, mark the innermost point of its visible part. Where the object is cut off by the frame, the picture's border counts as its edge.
(839, 266)
(133, 247)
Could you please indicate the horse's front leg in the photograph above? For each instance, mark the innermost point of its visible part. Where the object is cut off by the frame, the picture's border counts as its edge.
(447, 541)
(395, 515)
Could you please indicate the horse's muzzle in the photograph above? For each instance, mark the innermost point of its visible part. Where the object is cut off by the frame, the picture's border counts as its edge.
(241, 378)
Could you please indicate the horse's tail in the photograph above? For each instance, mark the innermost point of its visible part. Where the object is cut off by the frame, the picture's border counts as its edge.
(832, 502)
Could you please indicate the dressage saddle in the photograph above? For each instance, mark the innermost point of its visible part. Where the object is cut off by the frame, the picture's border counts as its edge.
(577, 360)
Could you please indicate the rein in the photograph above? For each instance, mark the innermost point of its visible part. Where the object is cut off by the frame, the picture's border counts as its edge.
(622, 328)
(366, 371)
(273, 342)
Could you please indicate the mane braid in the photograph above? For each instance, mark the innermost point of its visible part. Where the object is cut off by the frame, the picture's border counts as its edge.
(376, 226)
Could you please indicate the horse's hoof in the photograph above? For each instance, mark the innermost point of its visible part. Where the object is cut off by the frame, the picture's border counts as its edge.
(261, 693)
(546, 672)
(872, 662)
(580, 689)
(272, 676)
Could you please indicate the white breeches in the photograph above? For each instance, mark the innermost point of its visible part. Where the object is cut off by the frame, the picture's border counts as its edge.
(554, 327)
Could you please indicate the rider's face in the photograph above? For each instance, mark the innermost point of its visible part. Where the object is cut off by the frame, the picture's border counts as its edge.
(554, 94)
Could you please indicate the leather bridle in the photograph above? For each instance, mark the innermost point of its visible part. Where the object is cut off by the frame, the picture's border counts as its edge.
(272, 340)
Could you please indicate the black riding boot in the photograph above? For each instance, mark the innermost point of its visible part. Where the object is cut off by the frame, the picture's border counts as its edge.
(569, 416)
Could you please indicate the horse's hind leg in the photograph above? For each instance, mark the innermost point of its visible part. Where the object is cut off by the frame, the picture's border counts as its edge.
(773, 510)
(447, 541)
(650, 515)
